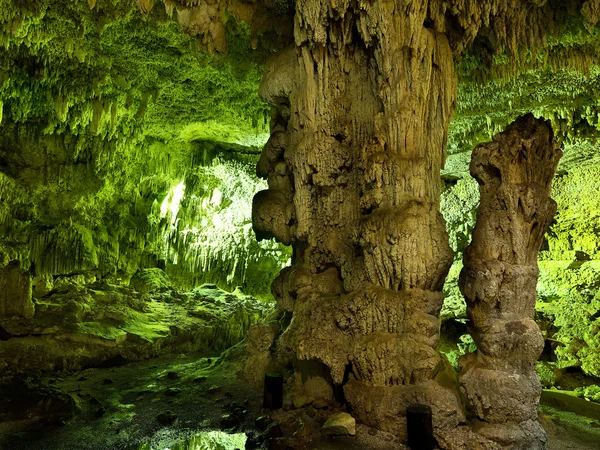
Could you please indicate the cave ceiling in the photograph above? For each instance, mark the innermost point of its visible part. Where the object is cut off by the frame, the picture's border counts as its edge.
(123, 68)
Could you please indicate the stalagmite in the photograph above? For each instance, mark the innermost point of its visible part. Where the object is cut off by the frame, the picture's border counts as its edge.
(362, 105)
(499, 279)
(15, 292)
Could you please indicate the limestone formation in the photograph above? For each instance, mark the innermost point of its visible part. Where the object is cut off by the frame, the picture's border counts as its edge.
(361, 107)
(361, 110)
(80, 325)
(499, 279)
(15, 292)
(340, 424)
(125, 146)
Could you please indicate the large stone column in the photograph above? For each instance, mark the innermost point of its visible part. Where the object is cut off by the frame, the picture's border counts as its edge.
(362, 106)
(499, 279)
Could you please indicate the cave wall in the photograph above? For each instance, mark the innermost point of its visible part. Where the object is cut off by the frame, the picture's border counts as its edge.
(86, 165)
(105, 112)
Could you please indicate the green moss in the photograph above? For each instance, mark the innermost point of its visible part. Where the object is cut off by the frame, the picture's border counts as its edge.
(570, 304)
(546, 373)
(591, 393)
(149, 280)
(577, 224)
(102, 330)
(454, 345)
(459, 203)
(454, 306)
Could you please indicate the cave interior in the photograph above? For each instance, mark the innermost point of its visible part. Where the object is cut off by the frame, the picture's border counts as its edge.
(299, 224)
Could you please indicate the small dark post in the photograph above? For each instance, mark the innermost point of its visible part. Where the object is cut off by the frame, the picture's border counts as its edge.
(419, 425)
(273, 390)
(4, 334)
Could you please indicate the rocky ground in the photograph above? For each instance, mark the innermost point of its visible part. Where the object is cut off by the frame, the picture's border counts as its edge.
(168, 402)
(571, 422)
(140, 367)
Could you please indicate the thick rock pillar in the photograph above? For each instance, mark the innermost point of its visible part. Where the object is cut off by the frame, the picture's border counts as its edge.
(499, 279)
(362, 106)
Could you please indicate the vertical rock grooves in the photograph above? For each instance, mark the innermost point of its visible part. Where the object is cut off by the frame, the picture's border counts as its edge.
(499, 280)
(362, 104)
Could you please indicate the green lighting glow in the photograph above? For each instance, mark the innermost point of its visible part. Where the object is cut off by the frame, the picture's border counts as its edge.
(205, 229)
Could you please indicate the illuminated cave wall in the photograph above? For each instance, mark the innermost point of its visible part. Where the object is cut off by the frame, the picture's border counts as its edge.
(104, 113)
(568, 308)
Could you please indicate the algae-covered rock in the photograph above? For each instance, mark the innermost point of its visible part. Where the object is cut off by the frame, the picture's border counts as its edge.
(569, 311)
(591, 393)
(142, 158)
(150, 280)
(80, 326)
(42, 284)
(15, 292)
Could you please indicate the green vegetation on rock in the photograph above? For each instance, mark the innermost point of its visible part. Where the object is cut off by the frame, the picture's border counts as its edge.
(81, 324)
(105, 111)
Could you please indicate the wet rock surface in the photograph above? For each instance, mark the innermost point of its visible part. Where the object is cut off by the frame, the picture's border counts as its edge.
(81, 411)
(76, 326)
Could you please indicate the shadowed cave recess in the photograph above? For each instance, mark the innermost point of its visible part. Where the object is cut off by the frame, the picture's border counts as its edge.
(379, 204)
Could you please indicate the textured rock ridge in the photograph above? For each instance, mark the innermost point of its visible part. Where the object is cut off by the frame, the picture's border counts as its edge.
(361, 111)
(499, 279)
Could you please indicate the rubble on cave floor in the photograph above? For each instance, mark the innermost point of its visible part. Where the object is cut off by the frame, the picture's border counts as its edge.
(193, 401)
(176, 401)
(167, 399)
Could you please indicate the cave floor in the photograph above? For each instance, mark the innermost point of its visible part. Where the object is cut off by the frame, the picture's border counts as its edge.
(159, 403)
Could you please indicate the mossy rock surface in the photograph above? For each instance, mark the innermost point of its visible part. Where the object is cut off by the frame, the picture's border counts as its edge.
(150, 280)
(81, 326)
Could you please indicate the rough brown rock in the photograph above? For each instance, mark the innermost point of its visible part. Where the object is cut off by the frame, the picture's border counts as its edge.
(340, 424)
(499, 279)
(361, 107)
(361, 111)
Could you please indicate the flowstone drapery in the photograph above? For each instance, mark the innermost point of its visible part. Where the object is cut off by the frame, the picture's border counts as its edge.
(362, 106)
(499, 279)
